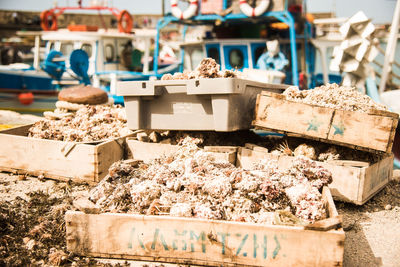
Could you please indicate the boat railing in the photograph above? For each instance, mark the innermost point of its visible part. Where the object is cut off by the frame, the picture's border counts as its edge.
(283, 16)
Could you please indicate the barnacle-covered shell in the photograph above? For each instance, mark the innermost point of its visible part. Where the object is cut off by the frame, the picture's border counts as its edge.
(334, 96)
(190, 183)
(208, 68)
(88, 124)
(305, 150)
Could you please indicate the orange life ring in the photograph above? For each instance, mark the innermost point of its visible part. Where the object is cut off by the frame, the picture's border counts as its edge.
(48, 20)
(125, 21)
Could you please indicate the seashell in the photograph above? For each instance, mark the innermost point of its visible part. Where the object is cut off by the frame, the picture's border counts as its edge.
(190, 183)
(305, 150)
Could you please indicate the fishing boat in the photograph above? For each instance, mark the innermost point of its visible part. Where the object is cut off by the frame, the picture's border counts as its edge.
(239, 34)
(80, 54)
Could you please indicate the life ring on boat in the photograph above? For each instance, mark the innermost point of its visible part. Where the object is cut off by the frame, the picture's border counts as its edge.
(188, 13)
(125, 21)
(254, 12)
(48, 20)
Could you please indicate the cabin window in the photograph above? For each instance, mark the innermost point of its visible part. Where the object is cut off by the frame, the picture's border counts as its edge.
(109, 53)
(213, 52)
(197, 56)
(87, 48)
(66, 48)
(257, 54)
(51, 46)
(236, 58)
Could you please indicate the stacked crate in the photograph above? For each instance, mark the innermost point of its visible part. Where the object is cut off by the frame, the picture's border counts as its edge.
(354, 182)
(221, 104)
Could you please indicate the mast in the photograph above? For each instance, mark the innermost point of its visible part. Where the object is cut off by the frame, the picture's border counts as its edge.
(390, 48)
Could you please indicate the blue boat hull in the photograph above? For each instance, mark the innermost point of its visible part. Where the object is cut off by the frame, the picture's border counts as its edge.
(14, 82)
(26, 79)
(41, 103)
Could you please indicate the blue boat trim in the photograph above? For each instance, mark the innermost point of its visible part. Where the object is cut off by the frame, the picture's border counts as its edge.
(15, 80)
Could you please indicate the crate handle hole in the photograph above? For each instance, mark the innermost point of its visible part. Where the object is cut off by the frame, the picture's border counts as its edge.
(197, 83)
(143, 85)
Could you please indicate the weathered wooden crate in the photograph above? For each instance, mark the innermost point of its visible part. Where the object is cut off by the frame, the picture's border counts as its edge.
(81, 162)
(353, 181)
(364, 131)
(147, 151)
(206, 242)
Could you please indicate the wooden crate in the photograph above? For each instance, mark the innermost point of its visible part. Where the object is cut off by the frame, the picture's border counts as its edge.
(205, 242)
(353, 181)
(148, 151)
(364, 131)
(81, 162)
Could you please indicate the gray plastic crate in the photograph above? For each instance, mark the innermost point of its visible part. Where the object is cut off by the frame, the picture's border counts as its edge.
(221, 104)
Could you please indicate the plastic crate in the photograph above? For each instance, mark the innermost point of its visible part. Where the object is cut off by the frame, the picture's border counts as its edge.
(221, 104)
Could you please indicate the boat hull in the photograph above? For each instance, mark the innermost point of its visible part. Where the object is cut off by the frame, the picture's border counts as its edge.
(41, 103)
(15, 82)
(26, 79)
(39, 83)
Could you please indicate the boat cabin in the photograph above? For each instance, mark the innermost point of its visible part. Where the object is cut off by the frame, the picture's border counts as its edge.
(105, 49)
(229, 53)
(239, 54)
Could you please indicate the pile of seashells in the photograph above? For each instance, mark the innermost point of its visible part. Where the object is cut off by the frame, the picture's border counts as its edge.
(288, 146)
(208, 68)
(334, 96)
(321, 151)
(89, 123)
(191, 183)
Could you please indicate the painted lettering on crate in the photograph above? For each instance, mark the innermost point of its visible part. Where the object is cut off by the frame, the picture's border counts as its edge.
(194, 237)
(244, 245)
(180, 240)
